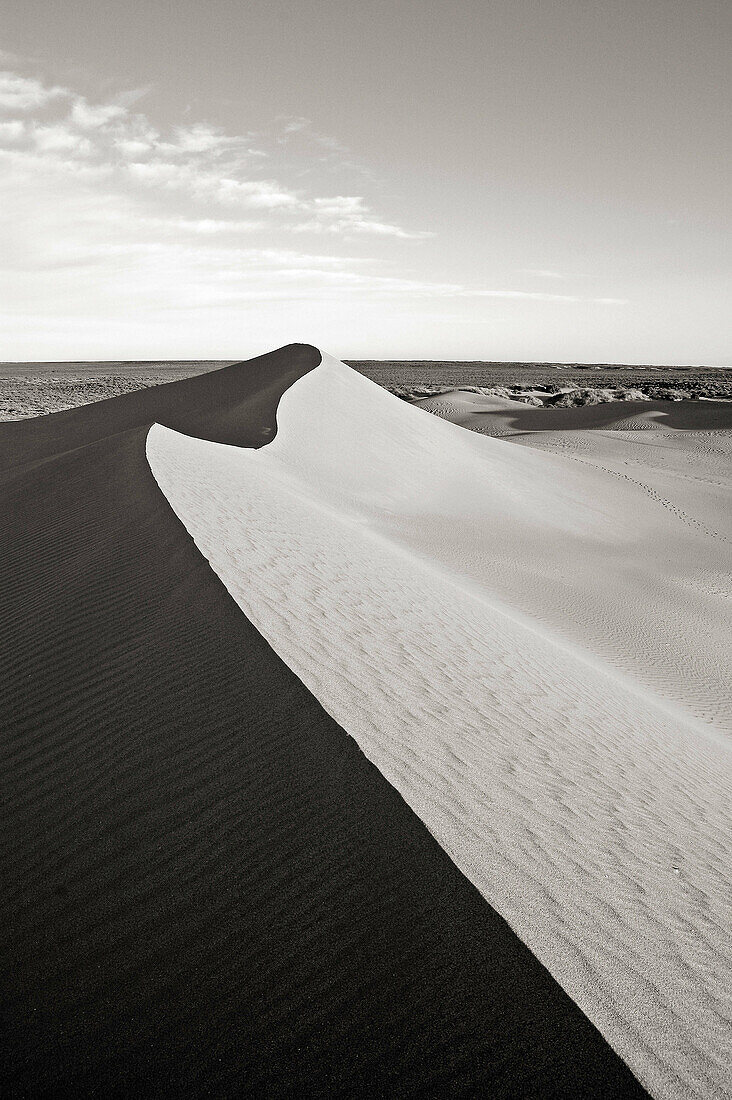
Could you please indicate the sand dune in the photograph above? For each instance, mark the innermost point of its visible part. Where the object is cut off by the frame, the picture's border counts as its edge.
(671, 627)
(502, 416)
(208, 888)
(532, 650)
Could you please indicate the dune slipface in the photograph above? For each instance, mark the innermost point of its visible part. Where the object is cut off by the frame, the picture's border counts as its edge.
(208, 889)
(399, 566)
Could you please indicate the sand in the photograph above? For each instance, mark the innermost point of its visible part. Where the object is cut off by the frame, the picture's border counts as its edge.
(207, 888)
(532, 650)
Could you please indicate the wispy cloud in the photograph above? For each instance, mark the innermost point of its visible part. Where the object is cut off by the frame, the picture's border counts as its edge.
(12, 131)
(540, 296)
(106, 214)
(320, 151)
(206, 227)
(88, 116)
(133, 95)
(349, 214)
(198, 161)
(21, 93)
(542, 273)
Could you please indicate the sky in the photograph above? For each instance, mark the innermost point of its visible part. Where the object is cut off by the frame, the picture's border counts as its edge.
(520, 180)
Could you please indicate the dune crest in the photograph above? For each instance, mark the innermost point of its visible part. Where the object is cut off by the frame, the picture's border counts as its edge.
(452, 601)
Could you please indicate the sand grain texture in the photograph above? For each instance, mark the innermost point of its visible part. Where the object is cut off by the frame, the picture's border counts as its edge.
(583, 788)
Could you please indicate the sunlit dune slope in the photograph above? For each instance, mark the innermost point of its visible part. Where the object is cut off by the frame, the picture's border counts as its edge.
(608, 562)
(401, 567)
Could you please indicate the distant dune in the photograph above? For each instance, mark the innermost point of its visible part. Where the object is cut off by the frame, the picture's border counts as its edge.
(503, 416)
(434, 805)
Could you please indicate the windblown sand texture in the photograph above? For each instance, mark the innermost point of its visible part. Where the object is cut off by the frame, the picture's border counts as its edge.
(534, 652)
(208, 889)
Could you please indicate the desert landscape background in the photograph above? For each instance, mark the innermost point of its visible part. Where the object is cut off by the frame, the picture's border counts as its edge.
(31, 389)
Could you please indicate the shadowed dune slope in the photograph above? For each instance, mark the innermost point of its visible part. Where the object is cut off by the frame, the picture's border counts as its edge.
(234, 405)
(207, 888)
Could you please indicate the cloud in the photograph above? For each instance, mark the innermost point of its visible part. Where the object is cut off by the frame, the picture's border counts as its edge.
(21, 93)
(89, 116)
(133, 95)
(319, 151)
(202, 139)
(370, 227)
(295, 125)
(132, 147)
(106, 215)
(542, 273)
(259, 194)
(198, 163)
(206, 227)
(199, 182)
(340, 207)
(12, 132)
(349, 215)
(529, 296)
(8, 58)
(60, 138)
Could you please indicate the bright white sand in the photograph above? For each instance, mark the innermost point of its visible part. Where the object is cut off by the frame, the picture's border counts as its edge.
(532, 650)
